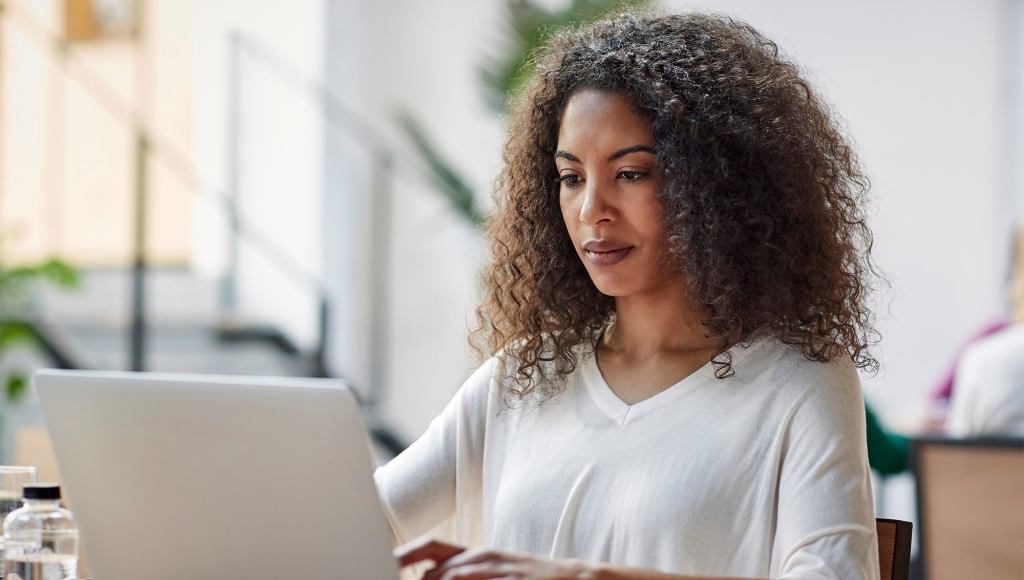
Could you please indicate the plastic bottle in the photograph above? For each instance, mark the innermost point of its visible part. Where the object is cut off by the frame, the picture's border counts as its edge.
(40, 538)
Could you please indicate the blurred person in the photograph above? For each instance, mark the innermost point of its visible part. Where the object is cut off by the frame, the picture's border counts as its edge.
(988, 388)
(888, 452)
(938, 413)
(675, 304)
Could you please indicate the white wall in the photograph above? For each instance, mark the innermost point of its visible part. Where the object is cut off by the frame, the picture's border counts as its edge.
(279, 187)
(309, 179)
(420, 57)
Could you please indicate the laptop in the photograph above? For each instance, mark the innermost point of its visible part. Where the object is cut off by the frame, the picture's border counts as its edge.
(176, 476)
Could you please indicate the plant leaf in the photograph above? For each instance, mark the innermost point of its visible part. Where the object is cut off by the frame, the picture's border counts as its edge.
(52, 270)
(451, 184)
(15, 331)
(17, 387)
(529, 27)
(60, 273)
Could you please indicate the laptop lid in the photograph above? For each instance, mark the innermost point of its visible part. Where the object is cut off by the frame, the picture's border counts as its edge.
(192, 476)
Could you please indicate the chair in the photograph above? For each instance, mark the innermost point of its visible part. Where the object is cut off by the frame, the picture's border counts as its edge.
(970, 507)
(894, 548)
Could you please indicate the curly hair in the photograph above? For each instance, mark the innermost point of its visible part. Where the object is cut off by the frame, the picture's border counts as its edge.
(762, 196)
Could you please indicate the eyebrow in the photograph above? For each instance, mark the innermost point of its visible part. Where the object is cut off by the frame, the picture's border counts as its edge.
(612, 157)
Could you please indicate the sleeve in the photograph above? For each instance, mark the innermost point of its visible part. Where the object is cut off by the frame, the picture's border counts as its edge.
(420, 487)
(825, 515)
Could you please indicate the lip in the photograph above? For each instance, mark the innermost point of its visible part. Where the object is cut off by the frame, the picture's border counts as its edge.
(606, 252)
(604, 245)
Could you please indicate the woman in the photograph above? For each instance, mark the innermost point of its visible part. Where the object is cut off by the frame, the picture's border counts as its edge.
(676, 300)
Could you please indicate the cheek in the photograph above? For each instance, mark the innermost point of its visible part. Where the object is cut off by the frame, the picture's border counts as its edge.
(652, 214)
(648, 216)
(569, 213)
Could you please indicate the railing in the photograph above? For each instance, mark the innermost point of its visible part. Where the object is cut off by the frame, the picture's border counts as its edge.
(338, 116)
(150, 147)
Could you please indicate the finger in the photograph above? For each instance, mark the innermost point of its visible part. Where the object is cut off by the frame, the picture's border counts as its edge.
(487, 570)
(426, 549)
(478, 571)
(480, 555)
(421, 544)
(472, 557)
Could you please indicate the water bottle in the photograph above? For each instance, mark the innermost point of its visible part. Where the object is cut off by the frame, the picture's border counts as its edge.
(40, 538)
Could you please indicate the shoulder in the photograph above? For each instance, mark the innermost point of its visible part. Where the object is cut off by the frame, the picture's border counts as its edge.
(988, 396)
(997, 351)
(482, 384)
(803, 389)
(787, 368)
(537, 376)
(993, 364)
(494, 381)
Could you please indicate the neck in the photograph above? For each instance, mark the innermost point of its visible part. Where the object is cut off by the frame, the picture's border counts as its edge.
(666, 320)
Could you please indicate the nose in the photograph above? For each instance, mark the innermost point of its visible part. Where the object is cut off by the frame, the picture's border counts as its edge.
(596, 207)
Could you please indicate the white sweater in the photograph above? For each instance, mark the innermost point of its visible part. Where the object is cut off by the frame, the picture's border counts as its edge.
(762, 474)
(988, 391)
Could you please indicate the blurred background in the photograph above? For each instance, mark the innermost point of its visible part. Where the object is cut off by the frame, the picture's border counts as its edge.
(294, 188)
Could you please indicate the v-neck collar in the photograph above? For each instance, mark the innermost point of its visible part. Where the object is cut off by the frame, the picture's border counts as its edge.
(622, 413)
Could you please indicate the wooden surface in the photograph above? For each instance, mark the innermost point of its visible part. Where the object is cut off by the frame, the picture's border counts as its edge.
(971, 511)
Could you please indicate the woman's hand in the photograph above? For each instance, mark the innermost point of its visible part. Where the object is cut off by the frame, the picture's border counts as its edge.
(457, 563)
(453, 562)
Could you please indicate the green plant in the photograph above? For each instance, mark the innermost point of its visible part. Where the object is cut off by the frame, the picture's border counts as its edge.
(443, 174)
(16, 305)
(503, 76)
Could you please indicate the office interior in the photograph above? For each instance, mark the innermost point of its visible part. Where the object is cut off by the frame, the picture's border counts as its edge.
(257, 188)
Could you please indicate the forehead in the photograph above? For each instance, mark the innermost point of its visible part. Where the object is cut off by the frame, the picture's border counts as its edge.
(601, 121)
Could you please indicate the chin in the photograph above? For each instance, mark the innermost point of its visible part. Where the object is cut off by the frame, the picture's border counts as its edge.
(614, 288)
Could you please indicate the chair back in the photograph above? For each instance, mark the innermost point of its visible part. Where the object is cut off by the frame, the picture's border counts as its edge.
(970, 506)
(894, 548)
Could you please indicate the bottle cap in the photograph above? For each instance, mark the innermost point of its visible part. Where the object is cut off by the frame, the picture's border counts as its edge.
(42, 491)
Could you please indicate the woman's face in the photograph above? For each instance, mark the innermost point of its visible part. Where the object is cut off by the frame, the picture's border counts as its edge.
(608, 194)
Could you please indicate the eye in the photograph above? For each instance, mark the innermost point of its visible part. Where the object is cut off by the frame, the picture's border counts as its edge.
(569, 180)
(632, 175)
